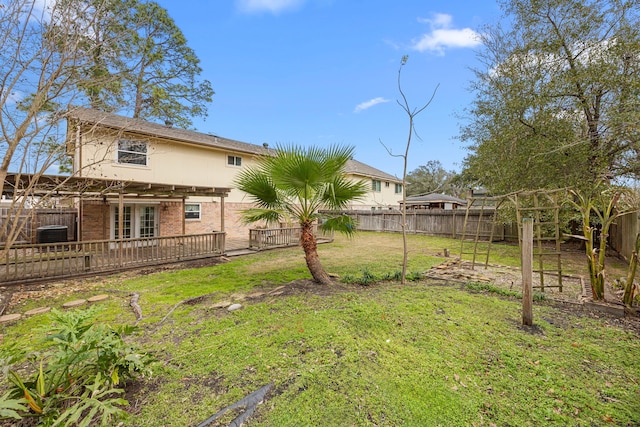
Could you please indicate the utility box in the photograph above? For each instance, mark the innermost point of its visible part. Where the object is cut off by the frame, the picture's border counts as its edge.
(51, 234)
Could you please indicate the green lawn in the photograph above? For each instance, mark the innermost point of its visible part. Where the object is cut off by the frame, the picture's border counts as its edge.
(424, 354)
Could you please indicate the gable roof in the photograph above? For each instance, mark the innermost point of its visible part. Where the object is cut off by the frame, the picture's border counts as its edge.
(143, 127)
(355, 167)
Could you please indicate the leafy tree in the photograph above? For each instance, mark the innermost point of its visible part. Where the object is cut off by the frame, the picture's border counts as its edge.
(294, 184)
(432, 177)
(158, 72)
(557, 103)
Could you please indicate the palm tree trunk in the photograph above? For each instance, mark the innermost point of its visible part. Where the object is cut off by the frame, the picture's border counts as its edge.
(310, 246)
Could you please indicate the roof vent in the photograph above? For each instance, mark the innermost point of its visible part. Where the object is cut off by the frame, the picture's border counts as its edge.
(168, 123)
(265, 144)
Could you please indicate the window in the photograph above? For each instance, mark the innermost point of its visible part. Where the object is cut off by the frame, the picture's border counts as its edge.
(376, 185)
(386, 184)
(192, 211)
(132, 152)
(234, 160)
(398, 188)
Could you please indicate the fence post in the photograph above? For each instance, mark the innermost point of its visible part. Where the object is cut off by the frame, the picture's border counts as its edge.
(527, 271)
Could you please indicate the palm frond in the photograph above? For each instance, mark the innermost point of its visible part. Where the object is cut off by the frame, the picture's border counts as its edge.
(298, 182)
(257, 214)
(341, 223)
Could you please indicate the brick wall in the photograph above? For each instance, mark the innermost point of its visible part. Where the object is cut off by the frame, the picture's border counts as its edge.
(95, 220)
(170, 219)
(209, 219)
(233, 224)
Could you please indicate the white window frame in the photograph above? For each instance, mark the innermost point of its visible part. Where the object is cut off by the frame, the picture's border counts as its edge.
(135, 153)
(199, 211)
(398, 189)
(237, 161)
(376, 185)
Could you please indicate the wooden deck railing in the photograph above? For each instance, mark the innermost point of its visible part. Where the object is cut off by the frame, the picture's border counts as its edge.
(266, 238)
(24, 263)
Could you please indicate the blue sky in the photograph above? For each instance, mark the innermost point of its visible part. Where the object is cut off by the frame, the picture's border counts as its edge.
(319, 72)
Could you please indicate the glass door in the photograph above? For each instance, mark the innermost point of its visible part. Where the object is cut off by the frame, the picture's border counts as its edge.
(126, 222)
(137, 221)
(147, 221)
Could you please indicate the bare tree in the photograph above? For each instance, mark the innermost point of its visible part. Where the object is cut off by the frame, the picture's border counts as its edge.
(43, 53)
(411, 114)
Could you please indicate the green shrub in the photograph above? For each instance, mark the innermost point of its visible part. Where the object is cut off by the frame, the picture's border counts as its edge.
(414, 276)
(367, 278)
(396, 276)
(74, 380)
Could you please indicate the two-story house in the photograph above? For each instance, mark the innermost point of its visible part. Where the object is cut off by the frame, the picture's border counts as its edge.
(112, 147)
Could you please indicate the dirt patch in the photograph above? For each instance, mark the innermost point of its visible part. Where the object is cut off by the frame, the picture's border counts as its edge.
(137, 391)
(566, 287)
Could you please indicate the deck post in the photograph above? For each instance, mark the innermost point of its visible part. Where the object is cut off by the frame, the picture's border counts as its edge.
(120, 226)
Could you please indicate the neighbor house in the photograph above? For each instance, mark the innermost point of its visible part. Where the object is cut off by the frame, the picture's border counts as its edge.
(434, 201)
(178, 181)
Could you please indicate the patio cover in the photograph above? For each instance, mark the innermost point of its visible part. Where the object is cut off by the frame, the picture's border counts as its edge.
(28, 185)
(39, 185)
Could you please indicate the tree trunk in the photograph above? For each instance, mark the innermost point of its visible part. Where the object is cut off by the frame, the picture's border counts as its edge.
(310, 246)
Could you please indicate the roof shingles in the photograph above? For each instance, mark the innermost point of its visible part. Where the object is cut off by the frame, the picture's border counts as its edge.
(139, 126)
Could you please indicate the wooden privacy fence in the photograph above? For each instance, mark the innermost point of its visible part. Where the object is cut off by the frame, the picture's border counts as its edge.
(443, 223)
(266, 238)
(622, 234)
(29, 220)
(25, 263)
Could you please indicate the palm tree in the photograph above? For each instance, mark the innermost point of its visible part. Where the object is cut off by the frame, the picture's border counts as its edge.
(294, 184)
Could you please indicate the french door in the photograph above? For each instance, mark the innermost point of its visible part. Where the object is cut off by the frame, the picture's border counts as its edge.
(137, 221)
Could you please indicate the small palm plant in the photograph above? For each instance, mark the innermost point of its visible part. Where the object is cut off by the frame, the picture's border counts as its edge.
(295, 184)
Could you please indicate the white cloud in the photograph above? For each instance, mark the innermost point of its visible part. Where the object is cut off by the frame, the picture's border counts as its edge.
(12, 97)
(442, 36)
(273, 6)
(368, 104)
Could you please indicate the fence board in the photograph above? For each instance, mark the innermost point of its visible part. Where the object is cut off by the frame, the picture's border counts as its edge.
(622, 234)
(30, 219)
(443, 223)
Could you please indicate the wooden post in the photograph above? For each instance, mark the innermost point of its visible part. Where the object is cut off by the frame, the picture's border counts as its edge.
(120, 227)
(184, 216)
(222, 213)
(527, 271)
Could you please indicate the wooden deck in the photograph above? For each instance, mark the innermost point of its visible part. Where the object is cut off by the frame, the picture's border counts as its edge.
(25, 263)
(268, 238)
(28, 263)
